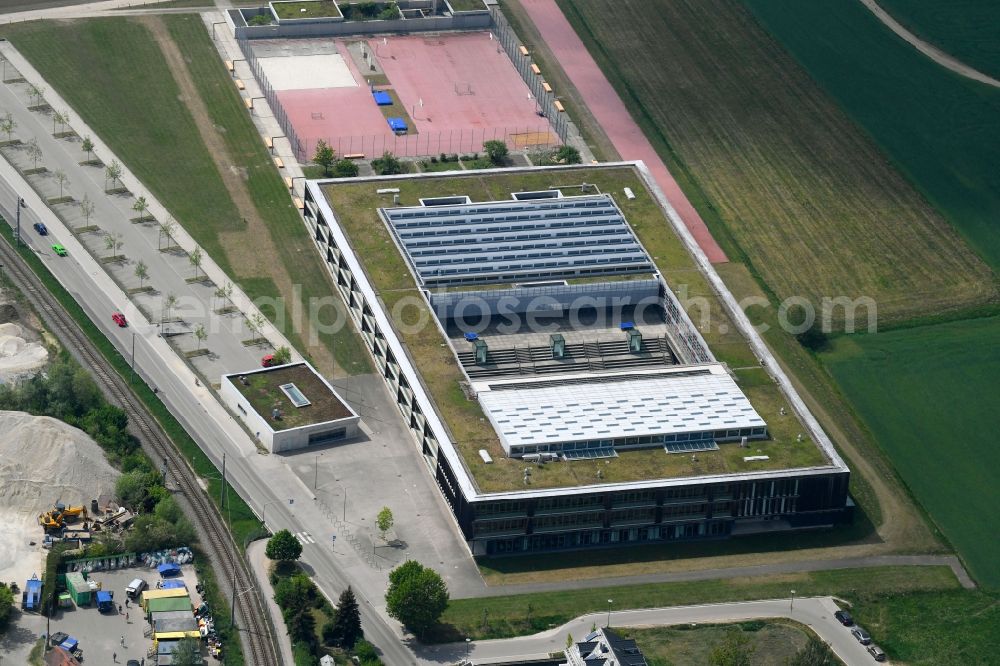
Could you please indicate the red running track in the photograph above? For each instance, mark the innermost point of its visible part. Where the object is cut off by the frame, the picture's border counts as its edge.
(611, 113)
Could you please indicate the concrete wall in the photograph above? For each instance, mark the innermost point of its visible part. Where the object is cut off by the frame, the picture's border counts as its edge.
(298, 438)
(462, 21)
(240, 406)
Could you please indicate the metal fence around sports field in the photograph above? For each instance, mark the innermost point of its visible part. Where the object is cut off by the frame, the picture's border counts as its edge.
(545, 100)
(298, 148)
(429, 144)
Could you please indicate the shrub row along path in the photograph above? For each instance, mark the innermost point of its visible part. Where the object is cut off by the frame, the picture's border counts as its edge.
(929, 50)
(614, 117)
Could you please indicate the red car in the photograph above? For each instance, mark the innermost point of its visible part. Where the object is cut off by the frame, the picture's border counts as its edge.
(119, 319)
(267, 361)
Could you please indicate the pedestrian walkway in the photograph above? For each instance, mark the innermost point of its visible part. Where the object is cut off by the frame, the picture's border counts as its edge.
(614, 117)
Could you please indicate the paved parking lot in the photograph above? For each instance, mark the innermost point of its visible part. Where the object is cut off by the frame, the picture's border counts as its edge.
(104, 636)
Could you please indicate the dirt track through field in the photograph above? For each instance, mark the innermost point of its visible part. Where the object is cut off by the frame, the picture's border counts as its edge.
(250, 251)
(612, 114)
(929, 50)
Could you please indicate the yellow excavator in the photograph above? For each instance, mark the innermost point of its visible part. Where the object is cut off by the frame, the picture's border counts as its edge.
(61, 514)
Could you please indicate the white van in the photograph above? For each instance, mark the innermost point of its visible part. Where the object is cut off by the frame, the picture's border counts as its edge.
(135, 588)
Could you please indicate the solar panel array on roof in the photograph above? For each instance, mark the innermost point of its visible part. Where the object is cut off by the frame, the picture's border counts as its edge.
(517, 241)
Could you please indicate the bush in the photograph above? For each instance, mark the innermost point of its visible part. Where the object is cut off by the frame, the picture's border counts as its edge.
(6, 605)
(345, 169)
(390, 12)
(814, 339)
(303, 655)
(387, 165)
(260, 19)
(365, 652)
(567, 155)
(496, 151)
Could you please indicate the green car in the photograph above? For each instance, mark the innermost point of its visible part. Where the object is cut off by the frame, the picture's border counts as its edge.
(59, 250)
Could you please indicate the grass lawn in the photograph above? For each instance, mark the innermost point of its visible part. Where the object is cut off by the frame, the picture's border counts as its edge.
(965, 29)
(940, 129)
(270, 195)
(786, 181)
(509, 615)
(356, 208)
(930, 396)
(466, 5)
(306, 9)
(772, 642)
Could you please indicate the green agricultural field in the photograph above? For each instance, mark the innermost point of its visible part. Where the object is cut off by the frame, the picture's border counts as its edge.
(940, 129)
(965, 29)
(785, 179)
(930, 396)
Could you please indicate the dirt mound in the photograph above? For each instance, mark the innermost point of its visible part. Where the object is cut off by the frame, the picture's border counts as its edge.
(18, 356)
(43, 460)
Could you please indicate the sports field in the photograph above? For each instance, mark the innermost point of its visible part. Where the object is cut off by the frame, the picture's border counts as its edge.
(939, 128)
(930, 396)
(965, 29)
(789, 183)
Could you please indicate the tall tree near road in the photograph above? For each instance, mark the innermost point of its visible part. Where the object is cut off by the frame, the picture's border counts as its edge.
(112, 172)
(346, 630)
(7, 125)
(283, 547)
(196, 258)
(34, 152)
(87, 208)
(417, 596)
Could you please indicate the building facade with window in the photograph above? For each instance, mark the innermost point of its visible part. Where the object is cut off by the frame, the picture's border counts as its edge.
(600, 432)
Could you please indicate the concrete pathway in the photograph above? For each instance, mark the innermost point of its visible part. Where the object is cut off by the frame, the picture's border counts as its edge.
(611, 113)
(259, 564)
(816, 613)
(929, 50)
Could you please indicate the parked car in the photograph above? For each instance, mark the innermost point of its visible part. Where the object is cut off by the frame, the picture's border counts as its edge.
(267, 361)
(876, 652)
(59, 250)
(844, 618)
(137, 585)
(863, 636)
(41, 229)
(119, 319)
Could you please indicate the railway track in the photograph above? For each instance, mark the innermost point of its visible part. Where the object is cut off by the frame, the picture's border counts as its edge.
(259, 647)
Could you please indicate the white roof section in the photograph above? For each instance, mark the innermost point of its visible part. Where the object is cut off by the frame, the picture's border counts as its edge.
(586, 407)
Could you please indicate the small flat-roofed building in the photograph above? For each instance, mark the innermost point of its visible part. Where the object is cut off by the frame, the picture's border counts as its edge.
(289, 407)
(558, 389)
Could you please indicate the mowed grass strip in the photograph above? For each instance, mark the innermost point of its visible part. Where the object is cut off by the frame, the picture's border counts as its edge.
(930, 396)
(270, 195)
(942, 130)
(521, 614)
(968, 30)
(795, 189)
(112, 73)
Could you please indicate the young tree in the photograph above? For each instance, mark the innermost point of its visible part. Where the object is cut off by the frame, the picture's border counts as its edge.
(61, 178)
(113, 243)
(345, 169)
(34, 152)
(282, 355)
(324, 156)
(87, 208)
(417, 597)
(196, 258)
(255, 323)
(36, 93)
(7, 125)
(141, 272)
(200, 335)
(168, 304)
(58, 120)
(384, 521)
(167, 228)
(346, 629)
(112, 172)
(283, 547)
(88, 147)
(141, 206)
(496, 150)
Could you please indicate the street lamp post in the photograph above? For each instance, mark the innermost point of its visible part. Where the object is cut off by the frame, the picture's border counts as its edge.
(791, 604)
(19, 205)
(610, 601)
(468, 647)
(316, 473)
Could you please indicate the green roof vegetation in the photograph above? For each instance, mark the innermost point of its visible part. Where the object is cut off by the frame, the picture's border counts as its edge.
(263, 390)
(307, 9)
(356, 207)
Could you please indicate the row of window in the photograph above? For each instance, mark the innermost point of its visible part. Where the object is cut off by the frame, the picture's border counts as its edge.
(645, 440)
(540, 542)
